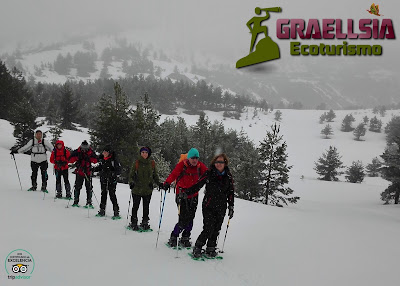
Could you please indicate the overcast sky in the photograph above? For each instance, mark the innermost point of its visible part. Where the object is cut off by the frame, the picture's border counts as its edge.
(216, 26)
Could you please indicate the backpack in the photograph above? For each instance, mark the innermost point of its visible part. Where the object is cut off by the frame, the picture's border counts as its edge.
(29, 152)
(153, 164)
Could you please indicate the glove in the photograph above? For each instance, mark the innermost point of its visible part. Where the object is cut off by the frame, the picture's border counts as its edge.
(230, 212)
(165, 186)
(13, 151)
(131, 185)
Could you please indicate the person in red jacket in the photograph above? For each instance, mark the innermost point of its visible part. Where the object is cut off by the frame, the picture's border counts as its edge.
(84, 157)
(59, 157)
(186, 173)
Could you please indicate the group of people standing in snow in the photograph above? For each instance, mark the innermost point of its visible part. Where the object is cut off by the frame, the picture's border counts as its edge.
(189, 176)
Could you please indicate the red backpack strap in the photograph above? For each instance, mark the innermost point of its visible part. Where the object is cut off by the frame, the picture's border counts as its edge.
(153, 164)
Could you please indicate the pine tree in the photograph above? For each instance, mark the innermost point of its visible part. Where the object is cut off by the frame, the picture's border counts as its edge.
(114, 125)
(392, 129)
(330, 115)
(346, 123)
(375, 125)
(329, 165)
(69, 107)
(373, 169)
(365, 119)
(359, 131)
(322, 118)
(278, 115)
(246, 169)
(327, 131)
(275, 171)
(202, 137)
(55, 132)
(391, 171)
(355, 173)
(382, 111)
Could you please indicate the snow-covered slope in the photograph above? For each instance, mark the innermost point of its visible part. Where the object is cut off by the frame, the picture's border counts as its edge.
(338, 234)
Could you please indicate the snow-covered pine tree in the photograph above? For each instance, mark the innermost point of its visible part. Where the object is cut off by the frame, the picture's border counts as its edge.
(355, 173)
(391, 171)
(328, 166)
(275, 171)
(55, 132)
(359, 131)
(365, 119)
(330, 115)
(373, 169)
(278, 115)
(327, 131)
(322, 118)
(346, 123)
(375, 125)
(202, 137)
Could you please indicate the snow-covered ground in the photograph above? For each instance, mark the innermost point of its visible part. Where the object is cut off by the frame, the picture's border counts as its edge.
(338, 234)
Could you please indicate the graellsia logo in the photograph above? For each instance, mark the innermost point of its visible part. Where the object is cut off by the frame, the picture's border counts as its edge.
(21, 263)
(266, 48)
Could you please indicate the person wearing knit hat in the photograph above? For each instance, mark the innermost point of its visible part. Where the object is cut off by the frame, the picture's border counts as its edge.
(109, 169)
(186, 173)
(142, 178)
(84, 157)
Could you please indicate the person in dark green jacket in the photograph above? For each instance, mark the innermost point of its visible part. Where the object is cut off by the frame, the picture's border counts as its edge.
(142, 178)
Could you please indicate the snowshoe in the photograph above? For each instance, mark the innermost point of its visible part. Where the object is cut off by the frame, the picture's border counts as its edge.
(75, 205)
(210, 253)
(201, 258)
(33, 189)
(185, 242)
(173, 242)
(68, 196)
(89, 206)
(116, 217)
(58, 196)
(133, 227)
(44, 191)
(197, 252)
(101, 213)
(144, 226)
(172, 247)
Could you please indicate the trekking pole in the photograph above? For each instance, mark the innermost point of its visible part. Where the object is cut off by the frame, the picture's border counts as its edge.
(127, 215)
(17, 171)
(161, 216)
(227, 226)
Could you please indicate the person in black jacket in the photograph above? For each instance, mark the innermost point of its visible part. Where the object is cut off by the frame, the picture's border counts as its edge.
(109, 169)
(218, 194)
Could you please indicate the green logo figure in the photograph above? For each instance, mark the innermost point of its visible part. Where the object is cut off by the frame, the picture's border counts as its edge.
(266, 49)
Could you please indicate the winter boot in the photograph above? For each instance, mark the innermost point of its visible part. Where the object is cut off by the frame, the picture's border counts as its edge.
(133, 225)
(68, 196)
(210, 252)
(197, 251)
(59, 195)
(101, 212)
(145, 224)
(185, 241)
(32, 189)
(173, 241)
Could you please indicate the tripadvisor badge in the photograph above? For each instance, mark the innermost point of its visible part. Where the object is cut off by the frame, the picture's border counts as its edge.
(19, 264)
(266, 49)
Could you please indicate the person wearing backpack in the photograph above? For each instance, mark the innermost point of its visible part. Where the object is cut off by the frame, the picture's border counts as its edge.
(109, 169)
(142, 179)
(219, 194)
(38, 147)
(83, 157)
(59, 157)
(186, 173)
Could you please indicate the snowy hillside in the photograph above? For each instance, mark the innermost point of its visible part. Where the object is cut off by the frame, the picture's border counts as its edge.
(338, 234)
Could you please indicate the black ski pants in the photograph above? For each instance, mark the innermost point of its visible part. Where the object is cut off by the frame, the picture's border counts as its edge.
(43, 170)
(212, 222)
(108, 185)
(187, 211)
(62, 174)
(78, 186)
(135, 206)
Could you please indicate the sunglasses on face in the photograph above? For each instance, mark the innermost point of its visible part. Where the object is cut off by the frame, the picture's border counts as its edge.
(219, 162)
(195, 158)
